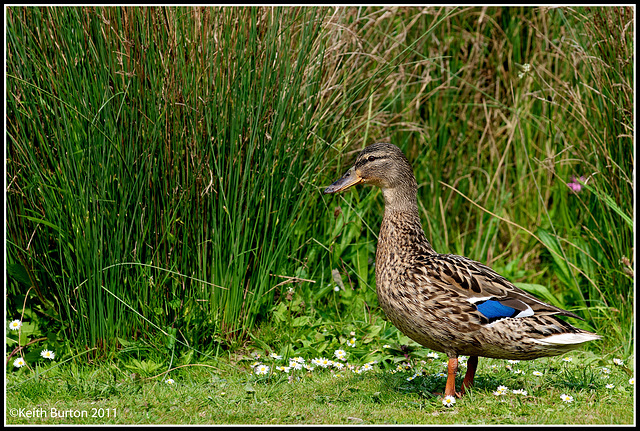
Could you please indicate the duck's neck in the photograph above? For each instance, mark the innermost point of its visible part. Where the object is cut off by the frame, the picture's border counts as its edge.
(401, 229)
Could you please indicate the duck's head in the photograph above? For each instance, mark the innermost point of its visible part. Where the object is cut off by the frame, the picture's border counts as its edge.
(383, 165)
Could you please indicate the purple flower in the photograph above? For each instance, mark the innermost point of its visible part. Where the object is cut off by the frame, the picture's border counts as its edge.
(574, 185)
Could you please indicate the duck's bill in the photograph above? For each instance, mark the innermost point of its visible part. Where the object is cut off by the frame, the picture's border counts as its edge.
(349, 179)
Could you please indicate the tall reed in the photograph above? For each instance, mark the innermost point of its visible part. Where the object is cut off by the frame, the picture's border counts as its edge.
(160, 161)
(171, 160)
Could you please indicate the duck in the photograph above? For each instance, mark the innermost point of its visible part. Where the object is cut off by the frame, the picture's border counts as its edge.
(445, 302)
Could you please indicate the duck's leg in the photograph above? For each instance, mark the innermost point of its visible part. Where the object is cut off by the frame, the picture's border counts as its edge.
(472, 366)
(452, 370)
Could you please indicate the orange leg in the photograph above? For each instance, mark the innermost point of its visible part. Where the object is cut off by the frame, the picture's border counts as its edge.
(452, 369)
(472, 365)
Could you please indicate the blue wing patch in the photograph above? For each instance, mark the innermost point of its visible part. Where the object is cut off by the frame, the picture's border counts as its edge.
(494, 310)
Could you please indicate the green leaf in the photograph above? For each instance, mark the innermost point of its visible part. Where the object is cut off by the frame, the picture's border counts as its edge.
(18, 273)
(541, 292)
(608, 200)
(301, 321)
(562, 268)
(362, 263)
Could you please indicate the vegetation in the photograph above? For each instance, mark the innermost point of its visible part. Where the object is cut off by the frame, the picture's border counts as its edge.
(165, 169)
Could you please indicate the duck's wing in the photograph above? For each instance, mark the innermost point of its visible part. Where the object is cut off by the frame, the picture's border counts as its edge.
(490, 296)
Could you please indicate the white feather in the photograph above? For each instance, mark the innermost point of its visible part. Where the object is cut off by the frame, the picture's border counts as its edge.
(564, 339)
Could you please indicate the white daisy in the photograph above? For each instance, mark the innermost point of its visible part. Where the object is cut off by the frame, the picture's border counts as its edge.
(448, 401)
(566, 398)
(261, 369)
(47, 354)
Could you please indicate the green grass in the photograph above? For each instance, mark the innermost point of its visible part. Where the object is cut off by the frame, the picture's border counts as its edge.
(227, 392)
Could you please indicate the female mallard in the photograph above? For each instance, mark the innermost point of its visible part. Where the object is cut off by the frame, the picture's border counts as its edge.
(445, 302)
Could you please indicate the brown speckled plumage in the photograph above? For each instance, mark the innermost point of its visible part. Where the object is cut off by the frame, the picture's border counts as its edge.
(445, 302)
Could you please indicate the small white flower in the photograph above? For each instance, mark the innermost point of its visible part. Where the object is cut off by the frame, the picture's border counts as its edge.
(19, 362)
(501, 390)
(15, 325)
(281, 368)
(566, 398)
(536, 373)
(567, 359)
(309, 367)
(365, 367)
(618, 361)
(606, 370)
(386, 346)
(412, 377)
(298, 359)
(441, 374)
(519, 392)
(340, 354)
(432, 355)
(170, 381)
(336, 288)
(47, 354)
(295, 365)
(351, 342)
(261, 369)
(632, 381)
(448, 401)
(513, 361)
(525, 69)
(323, 362)
(274, 356)
(609, 386)
(337, 365)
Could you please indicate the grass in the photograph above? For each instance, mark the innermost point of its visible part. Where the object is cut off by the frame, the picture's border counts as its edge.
(164, 177)
(228, 392)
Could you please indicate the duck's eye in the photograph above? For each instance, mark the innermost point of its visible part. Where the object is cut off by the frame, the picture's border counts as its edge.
(371, 158)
